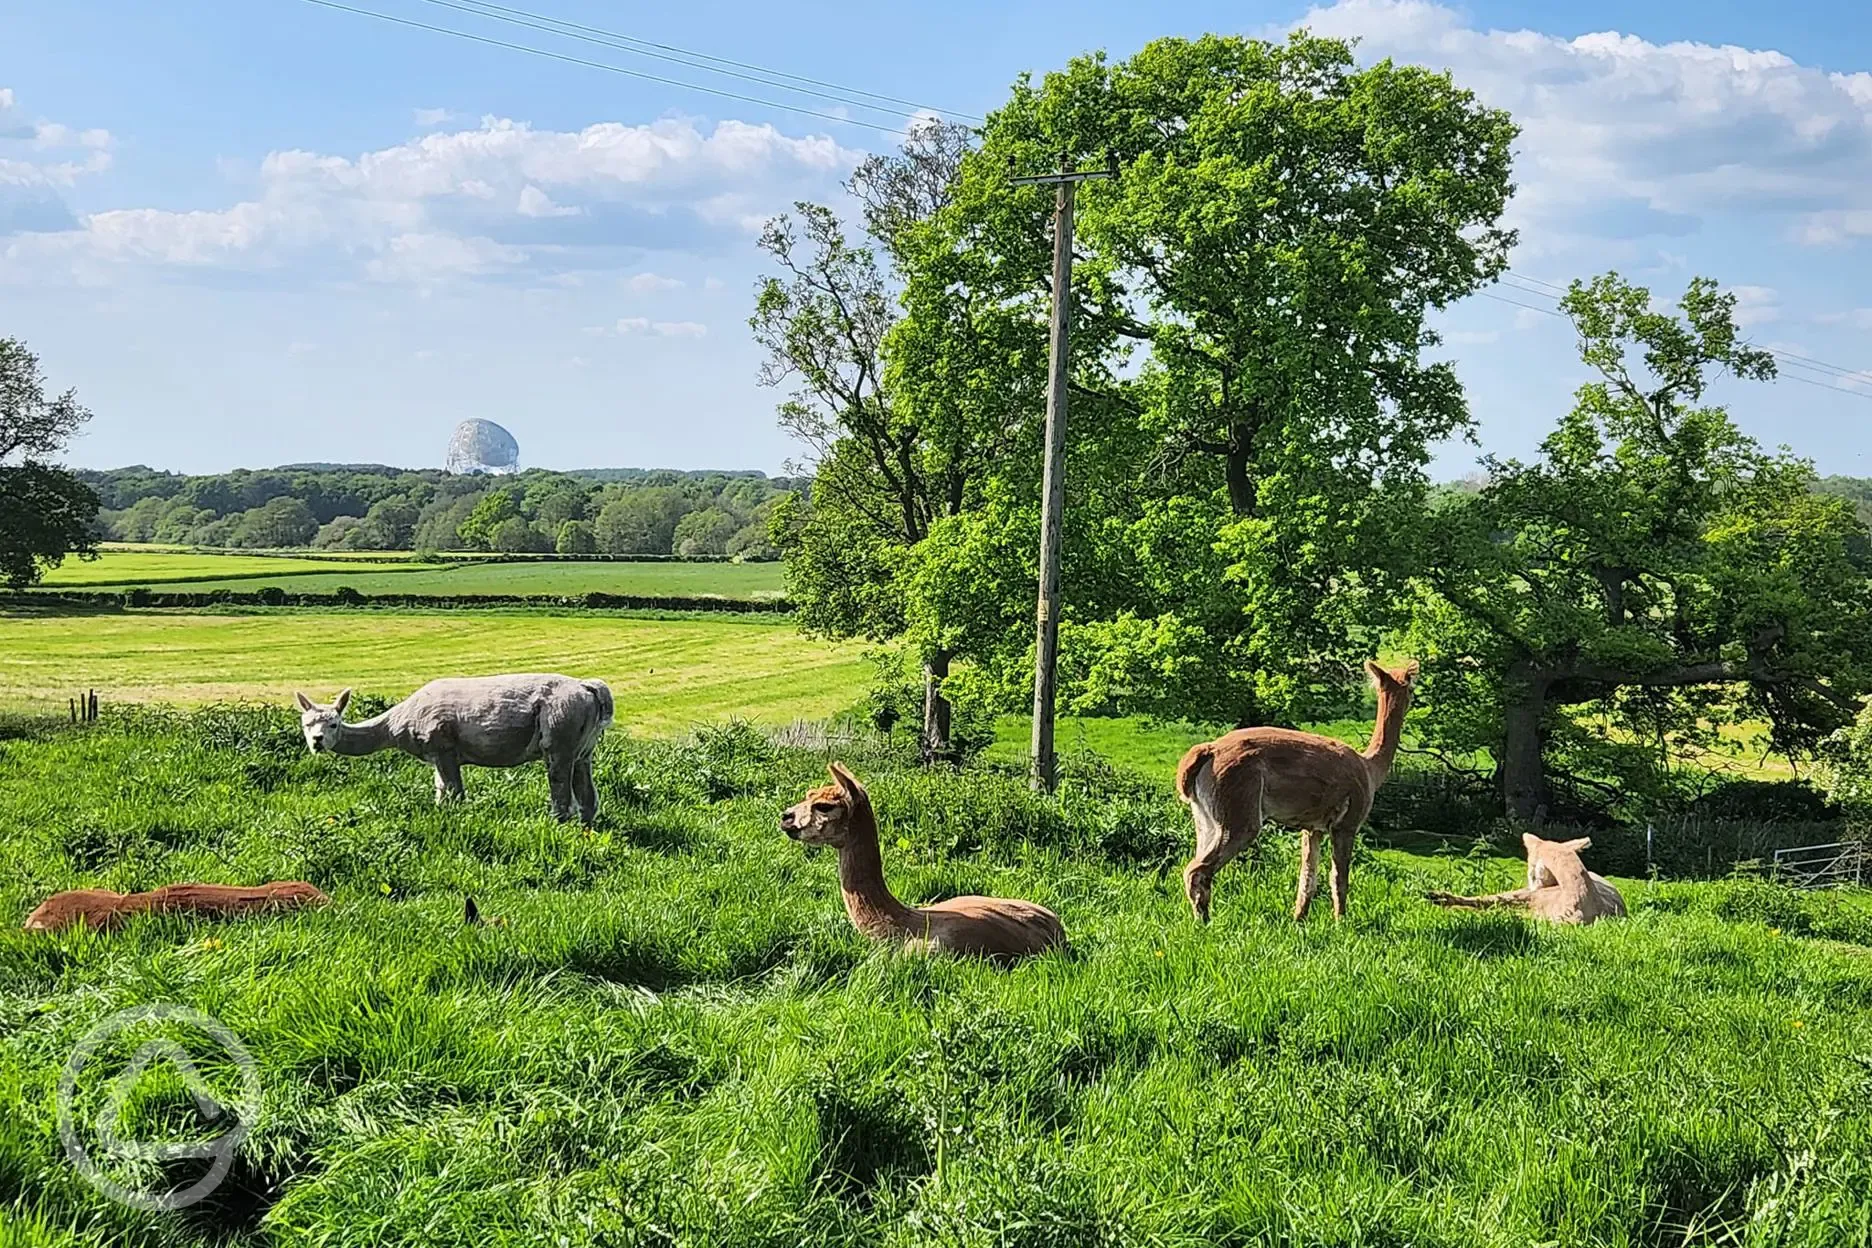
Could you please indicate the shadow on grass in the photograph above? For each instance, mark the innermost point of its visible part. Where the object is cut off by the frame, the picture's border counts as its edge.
(1488, 936)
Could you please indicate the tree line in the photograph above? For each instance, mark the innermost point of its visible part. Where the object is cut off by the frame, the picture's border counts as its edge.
(369, 507)
(1254, 396)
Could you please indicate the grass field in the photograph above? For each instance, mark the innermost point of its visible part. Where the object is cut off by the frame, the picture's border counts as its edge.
(724, 580)
(666, 674)
(119, 569)
(676, 1037)
(125, 568)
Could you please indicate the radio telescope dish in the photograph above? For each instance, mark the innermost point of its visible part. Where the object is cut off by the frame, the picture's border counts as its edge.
(481, 446)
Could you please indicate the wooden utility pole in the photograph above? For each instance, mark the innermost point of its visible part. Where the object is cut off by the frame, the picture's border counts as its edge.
(1053, 478)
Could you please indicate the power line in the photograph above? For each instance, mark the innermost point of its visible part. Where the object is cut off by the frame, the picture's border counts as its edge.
(1516, 303)
(1527, 285)
(614, 69)
(670, 52)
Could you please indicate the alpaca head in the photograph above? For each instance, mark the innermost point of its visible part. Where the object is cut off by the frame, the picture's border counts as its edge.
(1396, 681)
(1541, 856)
(321, 724)
(828, 814)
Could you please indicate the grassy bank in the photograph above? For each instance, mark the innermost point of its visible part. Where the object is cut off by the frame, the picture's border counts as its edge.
(676, 1037)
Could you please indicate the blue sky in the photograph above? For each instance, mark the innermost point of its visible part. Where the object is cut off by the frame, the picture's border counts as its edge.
(268, 232)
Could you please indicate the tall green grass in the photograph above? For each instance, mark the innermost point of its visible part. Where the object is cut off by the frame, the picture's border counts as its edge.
(676, 1038)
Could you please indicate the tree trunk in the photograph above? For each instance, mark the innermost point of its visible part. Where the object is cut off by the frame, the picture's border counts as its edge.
(1521, 767)
(1241, 487)
(936, 744)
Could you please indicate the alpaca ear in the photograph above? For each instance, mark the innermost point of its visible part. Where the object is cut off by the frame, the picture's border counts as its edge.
(1407, 675)
(1529, 840)
(305, 703)
(344, 700)
(848, 783)
(1583, 843)
(1379, 676)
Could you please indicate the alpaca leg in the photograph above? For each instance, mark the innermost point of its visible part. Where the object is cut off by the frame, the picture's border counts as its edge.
(1199, 875)
(1341, 867)
(1309, 872)
(559, 782)
(448, 779)
(1220, 835)
(585, 791)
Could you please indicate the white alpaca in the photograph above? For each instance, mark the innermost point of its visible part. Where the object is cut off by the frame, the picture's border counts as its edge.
(484, 721)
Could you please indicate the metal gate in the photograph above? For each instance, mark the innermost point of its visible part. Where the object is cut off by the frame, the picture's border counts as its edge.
(1823, 866)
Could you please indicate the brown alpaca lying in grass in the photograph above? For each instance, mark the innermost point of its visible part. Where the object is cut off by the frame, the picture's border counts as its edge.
(1301, 780)
(1559, 887)
(840, 815)
(102, 909)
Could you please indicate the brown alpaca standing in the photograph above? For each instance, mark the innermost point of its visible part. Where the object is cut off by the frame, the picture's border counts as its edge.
(102, 909)
(1296, 779)
(840, 815)
(1559, 887)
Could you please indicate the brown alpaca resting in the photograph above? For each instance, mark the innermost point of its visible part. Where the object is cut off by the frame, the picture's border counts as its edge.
(1299, 780)
(102, 909)
(840, 815)
(1559, 887)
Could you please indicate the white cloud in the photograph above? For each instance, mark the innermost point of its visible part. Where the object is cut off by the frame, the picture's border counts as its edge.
(1471, 337)
(628, 326)
(1858, 318)
(423, 258)
(1755, 305)
(712, 284)
(431, 117)
(537, 203)
(39, 157)
(1621, 137)
(650, 283)
(495, 197)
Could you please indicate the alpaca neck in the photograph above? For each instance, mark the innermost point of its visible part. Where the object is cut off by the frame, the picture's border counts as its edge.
(1386, 734)
(874, 910)
(364, 737)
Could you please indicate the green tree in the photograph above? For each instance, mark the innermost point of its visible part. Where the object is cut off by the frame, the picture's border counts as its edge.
(46, 512)
(515, 536)
(1282, 225)
(908, 404)
(1845, 770)
(495, 508)
(576, 538)
(1654, 570)
(704, 532)
(390, 524)
(640, 521)
(282, 521)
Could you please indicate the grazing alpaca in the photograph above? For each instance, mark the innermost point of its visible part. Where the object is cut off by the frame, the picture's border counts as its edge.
(102, 909)
(485, 721)
(1559, 887)
(840, 815)
(1296, 779)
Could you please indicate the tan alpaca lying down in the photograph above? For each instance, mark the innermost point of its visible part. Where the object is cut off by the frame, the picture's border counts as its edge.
(102, 909)
(1559, 889)
(840, 815)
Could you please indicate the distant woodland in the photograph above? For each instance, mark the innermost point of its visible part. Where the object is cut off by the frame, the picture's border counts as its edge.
(625, 511)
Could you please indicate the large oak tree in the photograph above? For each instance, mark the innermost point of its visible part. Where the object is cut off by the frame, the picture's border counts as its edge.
(46, 513)
(1654, 571)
